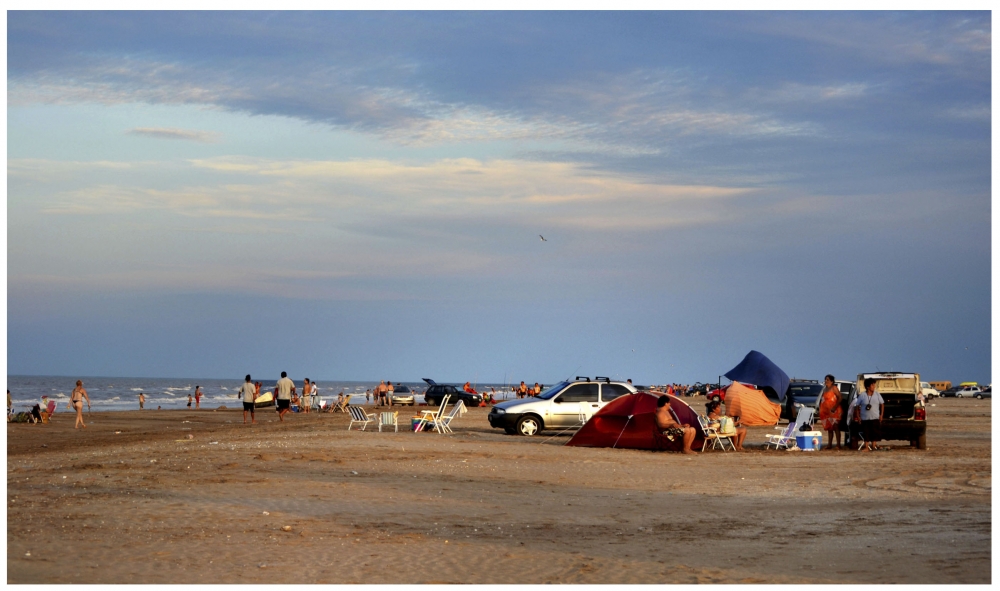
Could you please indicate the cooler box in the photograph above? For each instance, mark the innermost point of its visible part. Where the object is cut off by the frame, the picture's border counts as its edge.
(414, 423)
(809, 440)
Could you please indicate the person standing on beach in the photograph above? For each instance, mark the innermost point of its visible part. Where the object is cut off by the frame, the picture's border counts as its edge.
(389, 391)
(76, 399)
(142, 401)
(283, 395)
(197, 396)
(380, 393)
(249, 393)
(189, 401)
(872, 408)
(829, 411)
(306, 395)
(522, 390)
(368, 396)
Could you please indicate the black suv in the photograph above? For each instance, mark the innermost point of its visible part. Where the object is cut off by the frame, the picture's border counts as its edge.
(436, 392)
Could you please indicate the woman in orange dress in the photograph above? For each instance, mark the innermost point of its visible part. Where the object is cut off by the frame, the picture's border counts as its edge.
(829, 411)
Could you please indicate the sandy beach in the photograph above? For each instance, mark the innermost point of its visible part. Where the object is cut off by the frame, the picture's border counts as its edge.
(132, 500)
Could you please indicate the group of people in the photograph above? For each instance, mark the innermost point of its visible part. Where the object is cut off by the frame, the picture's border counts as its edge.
(524, 391)
(383, 393)
(866, 410)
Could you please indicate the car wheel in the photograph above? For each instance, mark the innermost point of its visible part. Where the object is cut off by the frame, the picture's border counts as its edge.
(979, 396)
(529, 425)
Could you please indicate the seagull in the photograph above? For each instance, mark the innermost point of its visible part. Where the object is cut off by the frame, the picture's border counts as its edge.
(543, 238)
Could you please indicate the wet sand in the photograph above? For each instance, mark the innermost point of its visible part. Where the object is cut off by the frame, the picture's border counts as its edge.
(148, 505)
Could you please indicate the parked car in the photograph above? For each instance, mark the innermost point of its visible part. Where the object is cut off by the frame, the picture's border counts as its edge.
(402, 395)
(969, 392)
(950, 392)
(436, 392)
(800, 392)
(986, 393)
(904, 417)
(928, 391)
(558, 406)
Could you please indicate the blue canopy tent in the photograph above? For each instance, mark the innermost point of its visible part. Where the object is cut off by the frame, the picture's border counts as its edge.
(760, 371)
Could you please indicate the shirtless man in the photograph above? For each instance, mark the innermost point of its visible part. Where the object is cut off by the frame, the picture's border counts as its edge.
(380, 393)
(669, 426)
(306, 398)
(522, 390)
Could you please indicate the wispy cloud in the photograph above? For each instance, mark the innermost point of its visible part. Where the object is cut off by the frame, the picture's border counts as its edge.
(167, 133)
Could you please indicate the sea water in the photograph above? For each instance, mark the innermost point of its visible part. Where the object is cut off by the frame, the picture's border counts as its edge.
(107, 393)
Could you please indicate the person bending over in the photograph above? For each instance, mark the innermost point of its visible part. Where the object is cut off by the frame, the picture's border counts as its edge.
(668, 424)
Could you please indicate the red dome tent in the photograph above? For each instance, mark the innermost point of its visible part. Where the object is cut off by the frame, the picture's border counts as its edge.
(629, 422)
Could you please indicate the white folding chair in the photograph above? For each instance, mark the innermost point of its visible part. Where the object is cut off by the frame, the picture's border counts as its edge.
(358, 415)
(432, 416)
(388, 419)
(443, 424)
(712, 434)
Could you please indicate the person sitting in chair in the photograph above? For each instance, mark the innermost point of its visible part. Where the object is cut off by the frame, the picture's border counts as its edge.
(714, 414)
(668, 424)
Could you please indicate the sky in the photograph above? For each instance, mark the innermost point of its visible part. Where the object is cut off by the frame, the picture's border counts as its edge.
(363, 195)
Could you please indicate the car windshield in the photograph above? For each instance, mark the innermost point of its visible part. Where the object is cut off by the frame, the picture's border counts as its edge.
(549, 393)
(805, 390)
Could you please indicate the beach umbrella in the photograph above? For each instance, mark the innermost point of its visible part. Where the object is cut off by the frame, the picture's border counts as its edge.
(757, 369)
(629, 422)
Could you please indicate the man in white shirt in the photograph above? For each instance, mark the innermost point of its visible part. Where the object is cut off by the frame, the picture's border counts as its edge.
(249, 393)
(283, 395)
(872, 408)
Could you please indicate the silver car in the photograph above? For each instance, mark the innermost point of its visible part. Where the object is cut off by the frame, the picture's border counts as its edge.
(558, 406)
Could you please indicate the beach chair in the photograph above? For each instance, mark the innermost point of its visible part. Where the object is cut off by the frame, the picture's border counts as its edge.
(358, 415)
(787, 437)
(387, 419)
(343, 406)
(46, 413)
(712, 434)
(443, 424)
(432, 416)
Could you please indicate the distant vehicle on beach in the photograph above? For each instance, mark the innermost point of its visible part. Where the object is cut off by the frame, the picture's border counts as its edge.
(558, 406)
(436, 392)
(950, 392)
(969, 392)
(403, 396)
(928, 390)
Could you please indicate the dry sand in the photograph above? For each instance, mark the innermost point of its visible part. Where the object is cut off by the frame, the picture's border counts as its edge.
(139, 506)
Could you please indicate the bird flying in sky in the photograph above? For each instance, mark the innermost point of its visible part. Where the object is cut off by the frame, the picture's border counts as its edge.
(543, 238)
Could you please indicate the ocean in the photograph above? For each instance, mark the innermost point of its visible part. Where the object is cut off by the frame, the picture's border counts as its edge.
(116, 394)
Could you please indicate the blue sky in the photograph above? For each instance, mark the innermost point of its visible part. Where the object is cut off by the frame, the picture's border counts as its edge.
(359, 195)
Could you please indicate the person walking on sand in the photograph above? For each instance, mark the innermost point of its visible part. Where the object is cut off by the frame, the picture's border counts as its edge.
(197, 396)
(249, 393)
(829, 411)
(76, 399)
(380, 393)
(142, 401)
(671, 427)
(872, 408)
(283, 395)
